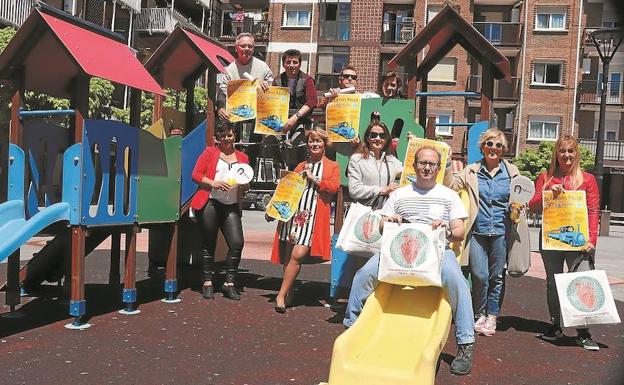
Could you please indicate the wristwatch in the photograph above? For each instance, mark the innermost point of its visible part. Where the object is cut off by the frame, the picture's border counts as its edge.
(298, 114)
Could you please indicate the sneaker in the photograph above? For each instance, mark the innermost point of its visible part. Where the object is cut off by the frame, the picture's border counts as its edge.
(489, 326)
(553, 333)
(462, 364)
(478, 326)
(585, 340)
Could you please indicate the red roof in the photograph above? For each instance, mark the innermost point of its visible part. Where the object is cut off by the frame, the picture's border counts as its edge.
(184, 55)
(54, 50)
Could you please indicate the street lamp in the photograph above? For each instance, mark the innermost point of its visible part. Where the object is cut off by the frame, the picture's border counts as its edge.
(607, 41)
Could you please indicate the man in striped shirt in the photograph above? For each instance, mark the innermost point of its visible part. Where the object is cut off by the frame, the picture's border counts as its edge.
(425, 201)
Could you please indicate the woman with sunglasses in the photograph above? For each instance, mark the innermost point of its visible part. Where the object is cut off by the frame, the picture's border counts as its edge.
(489, 226)
(308, 232)
(564, 174)
(373, 169)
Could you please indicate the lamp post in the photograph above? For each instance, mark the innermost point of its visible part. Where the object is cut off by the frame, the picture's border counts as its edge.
(607, 41)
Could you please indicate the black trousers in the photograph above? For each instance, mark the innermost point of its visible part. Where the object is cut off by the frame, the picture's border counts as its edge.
(214, 216)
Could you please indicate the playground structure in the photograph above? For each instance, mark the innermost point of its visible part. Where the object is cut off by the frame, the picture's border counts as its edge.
(401, 331)
(90, 179)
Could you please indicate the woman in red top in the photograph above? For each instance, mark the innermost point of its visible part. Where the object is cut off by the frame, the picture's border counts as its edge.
(307, 233)
(565, 174)
(216, 204)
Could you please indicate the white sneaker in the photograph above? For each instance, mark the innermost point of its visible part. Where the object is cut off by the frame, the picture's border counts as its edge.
(489, 326)
(478, 326)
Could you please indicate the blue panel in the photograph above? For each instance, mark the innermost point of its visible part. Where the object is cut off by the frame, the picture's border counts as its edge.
(342, 268)
(171, 286)
(109, 135)
(77, 308)
(16, 173)
(129, 295)
(32, 206)
(474, 132)
(192, 146)
(72, 168)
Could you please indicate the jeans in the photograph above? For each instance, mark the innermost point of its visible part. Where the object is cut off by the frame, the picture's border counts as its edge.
(488, 254)
(553, 264)
(453, 281)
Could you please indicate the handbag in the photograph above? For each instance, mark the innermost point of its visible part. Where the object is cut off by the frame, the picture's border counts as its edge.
(360, 231)
(411, 254)
(519, 253)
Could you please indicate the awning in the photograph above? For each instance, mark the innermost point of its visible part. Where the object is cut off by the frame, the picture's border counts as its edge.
(184, 55)
(53, 49)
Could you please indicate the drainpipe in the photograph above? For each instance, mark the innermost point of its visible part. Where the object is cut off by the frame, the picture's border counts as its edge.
(576, 71)
(114, 11)
(311, 39)
(524, 49)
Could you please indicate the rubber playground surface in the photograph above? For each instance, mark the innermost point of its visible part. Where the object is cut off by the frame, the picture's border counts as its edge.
(220, 341)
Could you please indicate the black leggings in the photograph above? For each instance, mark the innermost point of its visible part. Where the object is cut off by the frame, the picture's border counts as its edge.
(214, 216)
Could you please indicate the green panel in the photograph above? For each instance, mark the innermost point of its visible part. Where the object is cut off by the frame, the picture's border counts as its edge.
(393, 112)
(159, 178)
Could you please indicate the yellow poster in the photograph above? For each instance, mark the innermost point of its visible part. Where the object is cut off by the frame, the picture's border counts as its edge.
(342, 117)
(287, 195)
(409, 173)
(241, 100)
(564, 221)
(272, 111)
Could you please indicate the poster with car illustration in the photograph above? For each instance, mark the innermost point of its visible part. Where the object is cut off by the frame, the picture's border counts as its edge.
(564, 222)
(272, 111)
(285, 200)
(241, 100)
(342, 118)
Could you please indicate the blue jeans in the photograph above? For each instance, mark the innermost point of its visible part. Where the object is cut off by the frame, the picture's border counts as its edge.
(453, 281)
(488, 255)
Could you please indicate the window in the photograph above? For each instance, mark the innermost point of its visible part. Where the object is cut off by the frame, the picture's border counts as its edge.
(444, 117)
(432, 11)
(329, 64)
(305, 63)
(335, 19)
(610, 24)
(550, 19)
(444, 71)
(296, 17)
(613, 87)
(543, 128)
(548, 74)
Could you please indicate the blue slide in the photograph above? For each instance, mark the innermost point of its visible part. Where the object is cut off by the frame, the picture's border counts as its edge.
(16, 230)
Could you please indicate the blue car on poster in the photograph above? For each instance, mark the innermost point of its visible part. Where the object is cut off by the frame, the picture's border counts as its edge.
(568, 235)
(344, 129)
(282, 208)
(273, 122)
(244, 111)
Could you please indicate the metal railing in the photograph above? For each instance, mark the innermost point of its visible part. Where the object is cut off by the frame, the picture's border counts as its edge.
(135, 5)
(335, 30)
(590, 92)
(502, 88)
(500, 33)
(397, 32)
(16, 11)
(586, 32)
(613, 149)
(162, 20)
(258, 28)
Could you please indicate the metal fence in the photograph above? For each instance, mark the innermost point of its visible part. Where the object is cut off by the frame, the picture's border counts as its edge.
(163, 20)
(397, 32)
(16, 11)
(258, 28)
(501, 33)
(613, 149)
(590, 92)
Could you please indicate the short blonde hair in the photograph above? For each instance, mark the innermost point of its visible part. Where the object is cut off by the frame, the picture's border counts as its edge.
(318, 132)
(493, 133)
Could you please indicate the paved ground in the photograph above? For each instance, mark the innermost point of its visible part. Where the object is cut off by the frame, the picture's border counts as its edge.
(225, 342)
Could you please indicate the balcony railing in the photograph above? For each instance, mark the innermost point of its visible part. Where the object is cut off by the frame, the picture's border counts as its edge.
(397, 32)
(16, 11)
(586, 32)
(161, 20)
(335, 30)
(503, 90)
(500, 33)
(258, 28)
(613, 149)
(589, 92)
(135, 5)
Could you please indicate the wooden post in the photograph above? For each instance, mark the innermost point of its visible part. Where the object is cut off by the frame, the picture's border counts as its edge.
(422, 103)
(129, 296)
(339, 214)
(211, 86)
(190, 107)
(135, 108)
(430, 130)
(487, 94)
(16, 130)
(171, 286)
(157, 112)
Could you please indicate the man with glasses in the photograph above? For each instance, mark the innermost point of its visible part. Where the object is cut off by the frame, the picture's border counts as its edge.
(347, 78)
(245, 62)
(425, 201)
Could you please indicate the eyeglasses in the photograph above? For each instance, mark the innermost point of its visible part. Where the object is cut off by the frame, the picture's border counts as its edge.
(425, 163)
(491, 144)
(348, 76)
(379, 135)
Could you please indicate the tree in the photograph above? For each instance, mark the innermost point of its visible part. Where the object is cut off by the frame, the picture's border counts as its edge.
(533, 162)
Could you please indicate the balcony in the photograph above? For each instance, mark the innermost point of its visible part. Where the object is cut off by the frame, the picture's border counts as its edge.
(501, 33)
(397, 32)
(258, 28)
(162, 20)
(335, 30)
(613, 149)
(503, 90)
(15, 11)
(589, 92)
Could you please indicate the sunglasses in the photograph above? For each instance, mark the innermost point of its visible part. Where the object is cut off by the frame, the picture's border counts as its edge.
(374, 135)
(491, 144)
(425, 163)
(348, 76)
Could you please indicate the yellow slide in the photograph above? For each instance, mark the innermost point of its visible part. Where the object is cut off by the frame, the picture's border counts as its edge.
(397, 338)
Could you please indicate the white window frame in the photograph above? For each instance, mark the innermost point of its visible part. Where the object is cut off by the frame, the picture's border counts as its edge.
(444, 130)
(432, 11)
(550, 11)
(544, 120)
(546, 64)
(438, 69)
(297, 8)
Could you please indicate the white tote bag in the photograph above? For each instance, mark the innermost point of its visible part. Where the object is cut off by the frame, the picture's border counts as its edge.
(360, 231)
(586, 299)
(411, 254)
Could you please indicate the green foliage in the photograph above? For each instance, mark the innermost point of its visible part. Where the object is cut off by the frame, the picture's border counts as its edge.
(533, 162)
(6, 34)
